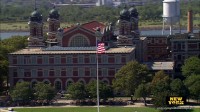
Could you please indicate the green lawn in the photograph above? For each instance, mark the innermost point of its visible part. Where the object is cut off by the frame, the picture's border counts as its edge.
(94, 109)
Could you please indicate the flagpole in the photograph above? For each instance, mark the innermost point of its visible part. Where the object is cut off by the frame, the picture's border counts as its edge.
(97, 83)
(97, 35)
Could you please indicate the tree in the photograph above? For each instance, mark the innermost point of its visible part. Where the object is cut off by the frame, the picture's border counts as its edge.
(178, 88)
(129, 77)
(105, 91)
(191, 66)
(22, 92)
(193, 82)
(160, 75)
(77, 91)
(160, 88)
(44, 92)
(7, 46)
(143, 91)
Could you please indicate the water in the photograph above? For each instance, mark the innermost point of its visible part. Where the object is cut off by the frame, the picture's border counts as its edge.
(5, 35)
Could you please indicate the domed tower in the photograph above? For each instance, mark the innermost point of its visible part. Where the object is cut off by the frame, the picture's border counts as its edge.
(54, 24)
(36, 30)
(134, 21)
(124, 22)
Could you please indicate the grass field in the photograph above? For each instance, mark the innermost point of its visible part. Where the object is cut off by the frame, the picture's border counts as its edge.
(94, 109)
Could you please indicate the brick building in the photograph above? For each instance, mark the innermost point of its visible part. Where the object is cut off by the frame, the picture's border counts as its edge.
(183, 46)
(68, 55)
(158, 48)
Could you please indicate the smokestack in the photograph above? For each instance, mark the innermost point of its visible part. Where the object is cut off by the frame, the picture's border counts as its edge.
(190, 22)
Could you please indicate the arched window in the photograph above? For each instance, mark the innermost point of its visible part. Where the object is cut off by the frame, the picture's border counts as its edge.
(69, 83)
(46, 82)
(58, 85)
(33, 84)
(105, 82)
(79, 41)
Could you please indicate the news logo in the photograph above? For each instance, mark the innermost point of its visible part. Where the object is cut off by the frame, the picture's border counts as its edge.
(175, 100)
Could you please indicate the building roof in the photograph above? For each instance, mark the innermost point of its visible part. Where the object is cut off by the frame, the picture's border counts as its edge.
(160, 65)
(186, 36)
(72, 50)
(91, 26)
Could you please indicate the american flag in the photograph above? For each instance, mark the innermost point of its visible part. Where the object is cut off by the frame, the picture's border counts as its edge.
(100, 48)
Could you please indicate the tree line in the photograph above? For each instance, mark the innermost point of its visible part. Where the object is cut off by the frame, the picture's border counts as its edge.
(72, 14)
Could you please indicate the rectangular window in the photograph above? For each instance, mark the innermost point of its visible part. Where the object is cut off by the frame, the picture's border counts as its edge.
(80, 59)
(20, 59)
(46, 73)
(63, 59)
(92, 58)
(51, 59)
(69, 71)
(51, 72)
(104, 59)
(93, 72)
(39, 60)
(40, 72)
(27, 73)
(117, 59)
(116, 70)
(34, 59)
(57, 72)
(69, 59)
(81, 72)
(33, 73)
(27, 60)
(14, 60)
(57, 59)
(21, 72)
(45, 59)
(15, 73)
(63, 72)
(104, 72)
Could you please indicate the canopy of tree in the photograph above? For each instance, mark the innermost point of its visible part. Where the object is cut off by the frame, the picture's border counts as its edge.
(41, 92)
(7, 46)
(22, 92)
(105, 91)
(191, 66)
(129, 77)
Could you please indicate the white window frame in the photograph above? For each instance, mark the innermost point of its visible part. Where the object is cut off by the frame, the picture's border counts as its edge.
(57, 59)
(93, 72)
(69, 71)
(34, 59)
(20, 73)
(104, 59)
(69, 60)
(45, 59)
(118, 59)
(92, 58)
(45, 72)
(57, 72)
(20, 59)
(33, 73)
(81, 72)
(80, 59)
(104, 72)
